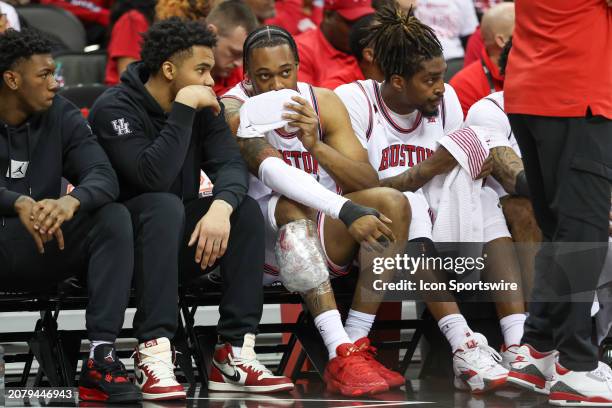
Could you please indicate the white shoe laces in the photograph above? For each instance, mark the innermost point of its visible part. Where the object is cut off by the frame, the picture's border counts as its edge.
(482, 356)
(604, 372)
(253, 364)
(159, 367)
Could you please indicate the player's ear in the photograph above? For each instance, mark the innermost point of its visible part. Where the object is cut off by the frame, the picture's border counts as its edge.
(168, 70)
(368, 55)
(398, 82)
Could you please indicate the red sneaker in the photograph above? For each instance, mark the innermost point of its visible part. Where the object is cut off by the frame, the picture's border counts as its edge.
(392, 378)
(154, 371)
(350, 374)
(244, 373)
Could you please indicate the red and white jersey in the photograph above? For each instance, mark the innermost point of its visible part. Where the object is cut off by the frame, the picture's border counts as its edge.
(396, 142)
(489, 112)
(288, 144)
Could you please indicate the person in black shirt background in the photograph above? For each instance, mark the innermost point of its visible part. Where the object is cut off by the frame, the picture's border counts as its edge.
(160, 127)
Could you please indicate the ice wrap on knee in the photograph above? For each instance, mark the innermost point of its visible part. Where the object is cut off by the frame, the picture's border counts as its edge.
(300, 257)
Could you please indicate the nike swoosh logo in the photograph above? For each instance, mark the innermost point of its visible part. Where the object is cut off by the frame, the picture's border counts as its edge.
(234, 377)
(140, 378)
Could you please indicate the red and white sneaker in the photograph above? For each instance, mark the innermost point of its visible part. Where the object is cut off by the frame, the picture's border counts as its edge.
(532, 370)
(582, 388)
(476, 366)
(154, 371)
(392, 378)
(350, 374)
(244, 373)
(508, 355)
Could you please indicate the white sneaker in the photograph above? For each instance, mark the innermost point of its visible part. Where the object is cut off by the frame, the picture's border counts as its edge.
(244, 373)
(532, 370)
(582, 388)
(154, 371)
(476, 366)
(508, 355)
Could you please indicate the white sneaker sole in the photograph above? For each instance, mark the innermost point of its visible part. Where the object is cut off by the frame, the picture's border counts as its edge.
(563, 403)
(477, 385)
(526, 385)
(217, 386)
(176, 395)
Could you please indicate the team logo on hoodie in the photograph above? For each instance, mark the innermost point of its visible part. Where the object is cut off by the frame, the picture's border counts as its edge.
(121, 127)
(18, 169)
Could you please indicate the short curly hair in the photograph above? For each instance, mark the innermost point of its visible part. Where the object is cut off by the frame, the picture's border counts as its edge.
(167, 38)
(187, 9)
(19, 45)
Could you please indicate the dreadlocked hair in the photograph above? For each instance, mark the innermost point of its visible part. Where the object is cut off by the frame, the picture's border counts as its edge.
(267, 36)
(401, 42)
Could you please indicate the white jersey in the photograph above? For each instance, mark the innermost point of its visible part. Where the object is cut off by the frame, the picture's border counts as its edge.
(396, 142)
(489, 112)
(288, 145)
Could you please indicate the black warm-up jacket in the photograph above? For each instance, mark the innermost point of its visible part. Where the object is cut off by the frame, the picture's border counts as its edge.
(48, 145)
(154, 151)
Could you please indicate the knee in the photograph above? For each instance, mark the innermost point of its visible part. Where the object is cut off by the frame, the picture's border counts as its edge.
(248, 217)
(162, 211)
(114, 222)
(288, 211)
(393, 204)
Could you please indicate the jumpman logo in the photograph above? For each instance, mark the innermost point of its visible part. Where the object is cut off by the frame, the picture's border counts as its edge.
(20, 169)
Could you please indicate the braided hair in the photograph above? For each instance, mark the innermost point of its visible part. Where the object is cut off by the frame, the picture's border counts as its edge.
(401, 42)
(266, 37)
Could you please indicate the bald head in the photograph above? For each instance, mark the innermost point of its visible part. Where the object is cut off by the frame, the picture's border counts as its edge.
(497, 26)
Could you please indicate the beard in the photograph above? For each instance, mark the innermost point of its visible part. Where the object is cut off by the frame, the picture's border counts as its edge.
(430, 113)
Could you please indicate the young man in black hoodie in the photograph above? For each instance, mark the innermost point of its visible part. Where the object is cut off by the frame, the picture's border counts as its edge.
(42, 138)
(160, 127)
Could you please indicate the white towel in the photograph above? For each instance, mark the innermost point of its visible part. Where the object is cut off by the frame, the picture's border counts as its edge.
(262, 113)
(455, 197)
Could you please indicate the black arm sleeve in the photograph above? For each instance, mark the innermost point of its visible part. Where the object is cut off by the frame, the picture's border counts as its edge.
(221, 159)
(149, 162)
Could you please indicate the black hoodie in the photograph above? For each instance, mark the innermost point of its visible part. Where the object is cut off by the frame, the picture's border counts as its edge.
(157, 152)
(49, 145)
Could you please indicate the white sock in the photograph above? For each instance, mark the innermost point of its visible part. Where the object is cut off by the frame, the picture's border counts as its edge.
(299, 186)
(95, 344)
(358, 324)
(236, 351)
(512, 327)
(332, 332)
(454, 328)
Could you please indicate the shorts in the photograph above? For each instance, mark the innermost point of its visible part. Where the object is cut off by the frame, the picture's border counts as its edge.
(493, 220)
(267, 204)
(420, 225)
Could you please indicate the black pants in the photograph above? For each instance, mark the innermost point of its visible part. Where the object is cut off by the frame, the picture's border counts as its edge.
(99, 243)
(162, 227)
(568, 162)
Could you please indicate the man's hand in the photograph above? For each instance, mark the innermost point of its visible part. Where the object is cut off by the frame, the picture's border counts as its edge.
(487, 167)
(305, 119)
(372, 232)
(49, 215)
(198, 97)
(212, 233)
(24, 206)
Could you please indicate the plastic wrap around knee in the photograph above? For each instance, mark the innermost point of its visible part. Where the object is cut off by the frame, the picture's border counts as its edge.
(300, 257)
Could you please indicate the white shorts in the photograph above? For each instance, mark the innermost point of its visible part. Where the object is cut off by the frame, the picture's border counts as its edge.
(420, 224)
(493, 220)
(267, 204)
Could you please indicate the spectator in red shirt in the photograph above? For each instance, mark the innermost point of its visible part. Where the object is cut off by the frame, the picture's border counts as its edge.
(482, 77)
(363, 53)
(231, 21)
(558, 98)
(325, 51)
(129, 20)
(297, 16)
(474, 48)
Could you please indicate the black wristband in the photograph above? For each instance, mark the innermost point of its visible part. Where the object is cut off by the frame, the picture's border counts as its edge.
(521, 187)
(351, 212)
